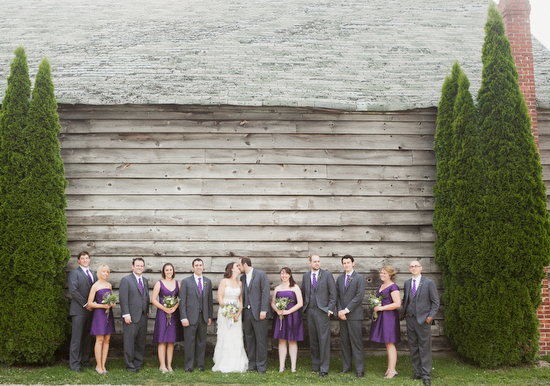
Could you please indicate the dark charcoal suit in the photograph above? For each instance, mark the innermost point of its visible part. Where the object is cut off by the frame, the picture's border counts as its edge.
(256, 300)
(197, 308)
(79, 285)
(135, 304)
(317, 303)
(351, 297)
(417, 309)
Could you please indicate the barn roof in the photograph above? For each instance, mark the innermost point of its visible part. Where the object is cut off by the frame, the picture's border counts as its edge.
(343, 54)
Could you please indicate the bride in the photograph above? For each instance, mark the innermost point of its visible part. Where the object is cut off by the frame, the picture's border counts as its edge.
(229, 354)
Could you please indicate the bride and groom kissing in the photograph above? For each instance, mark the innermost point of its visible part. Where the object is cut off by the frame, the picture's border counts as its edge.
(250, 295)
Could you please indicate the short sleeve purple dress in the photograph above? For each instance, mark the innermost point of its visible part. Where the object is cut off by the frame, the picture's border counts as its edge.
(292, 326)
(102, 323)
(167, 331)
(385, 329)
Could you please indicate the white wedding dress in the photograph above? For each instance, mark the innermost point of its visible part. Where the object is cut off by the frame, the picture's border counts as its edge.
(229, 354)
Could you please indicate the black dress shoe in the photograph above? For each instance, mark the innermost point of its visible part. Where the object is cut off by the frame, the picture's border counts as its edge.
(261, 371)
(359, 374)
(77, 370)
(415, 377)
(201, 368)
(345, 371)
(322, 375)
(133, 370)
(427, 382)
(189, 370)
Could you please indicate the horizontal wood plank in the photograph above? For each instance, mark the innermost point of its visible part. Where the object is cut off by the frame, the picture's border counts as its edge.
(163, 202)
(227, 217)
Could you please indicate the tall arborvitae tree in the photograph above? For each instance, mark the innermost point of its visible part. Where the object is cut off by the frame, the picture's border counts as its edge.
(38, 227)
(13, 118)
(515, 242)
(467, 213)
(444, 153)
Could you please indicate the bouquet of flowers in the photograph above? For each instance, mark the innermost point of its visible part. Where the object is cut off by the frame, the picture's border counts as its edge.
(375, 301)
(281, 305)
(229, 310)
(169, 302)
(110, 299)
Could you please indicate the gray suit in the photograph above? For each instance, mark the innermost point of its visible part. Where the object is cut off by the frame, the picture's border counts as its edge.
(197, 308)
(256, 300)
(317, 303)
(79, 285)
(135, 304)
(351, 297)
(417, 309)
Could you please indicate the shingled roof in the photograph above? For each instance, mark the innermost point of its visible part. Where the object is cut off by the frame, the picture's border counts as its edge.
(343, 54)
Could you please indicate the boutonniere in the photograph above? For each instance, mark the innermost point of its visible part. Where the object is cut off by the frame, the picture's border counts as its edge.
(319, 275)
(419, 285)
(350, 279)
(251, 277)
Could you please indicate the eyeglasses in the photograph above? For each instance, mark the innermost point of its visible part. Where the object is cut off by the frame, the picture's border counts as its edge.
(415, 266)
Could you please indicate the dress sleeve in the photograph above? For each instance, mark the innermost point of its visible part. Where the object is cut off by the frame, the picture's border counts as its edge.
(394, 287)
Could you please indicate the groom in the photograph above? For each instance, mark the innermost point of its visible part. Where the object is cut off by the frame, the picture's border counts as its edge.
(255, 308)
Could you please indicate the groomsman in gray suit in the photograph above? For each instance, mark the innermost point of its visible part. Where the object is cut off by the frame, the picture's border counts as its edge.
(134, 303)
(351, 291)
(420, 302)
(196, 311)
(79, 282)
(256, 305)
(319, 292)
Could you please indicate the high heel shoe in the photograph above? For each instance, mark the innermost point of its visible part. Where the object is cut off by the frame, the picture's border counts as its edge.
(390, 374)
(99, 371)
(170, 369)
(164, 371)
(281, 369)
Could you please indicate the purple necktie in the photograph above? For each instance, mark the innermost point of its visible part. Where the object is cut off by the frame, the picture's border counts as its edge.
(200, 286)
(314, 280)
(347, 281)
(90, 276)
(414, 288)
(140, 285)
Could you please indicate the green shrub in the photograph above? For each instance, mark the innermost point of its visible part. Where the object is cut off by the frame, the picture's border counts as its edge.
(35, 323)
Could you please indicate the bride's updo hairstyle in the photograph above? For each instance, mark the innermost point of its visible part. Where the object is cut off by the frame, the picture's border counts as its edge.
(291, 281)
(228, 269)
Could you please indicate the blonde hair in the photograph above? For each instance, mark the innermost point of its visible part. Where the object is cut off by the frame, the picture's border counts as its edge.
(390, 271)
(100, 268)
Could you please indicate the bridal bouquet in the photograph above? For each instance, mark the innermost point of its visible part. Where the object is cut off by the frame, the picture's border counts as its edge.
(110, 299)
(229, 310)
(375, 301)
(169, 302)
(281, 304)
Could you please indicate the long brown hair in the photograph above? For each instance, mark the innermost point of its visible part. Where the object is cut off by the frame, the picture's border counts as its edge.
(291, 281)
(228, 268)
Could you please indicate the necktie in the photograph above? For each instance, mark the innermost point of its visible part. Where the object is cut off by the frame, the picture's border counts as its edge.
(200, 286)
(414, 288)
(347, 281)
(140, 285)
(314, 280)
(90, 276)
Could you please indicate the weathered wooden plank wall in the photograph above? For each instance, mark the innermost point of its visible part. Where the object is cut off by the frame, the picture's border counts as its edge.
(171, 183)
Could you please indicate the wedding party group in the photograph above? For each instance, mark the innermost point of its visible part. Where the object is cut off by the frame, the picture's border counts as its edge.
(185, 310)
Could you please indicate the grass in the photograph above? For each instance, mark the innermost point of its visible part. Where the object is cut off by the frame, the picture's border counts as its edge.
(446, 371)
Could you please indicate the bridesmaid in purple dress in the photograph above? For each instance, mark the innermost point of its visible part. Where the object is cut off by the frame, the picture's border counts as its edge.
(168, 328)
(385, 329)
(291, 328)
(103, 323)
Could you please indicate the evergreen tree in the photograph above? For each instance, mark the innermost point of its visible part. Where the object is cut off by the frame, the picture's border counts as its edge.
(443, 154)
(13, 117)
(38, 323)
(463, 245)
(514, 235)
